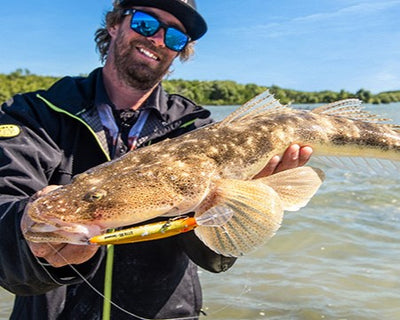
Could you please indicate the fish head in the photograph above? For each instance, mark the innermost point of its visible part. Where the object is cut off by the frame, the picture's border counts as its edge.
(93, 204)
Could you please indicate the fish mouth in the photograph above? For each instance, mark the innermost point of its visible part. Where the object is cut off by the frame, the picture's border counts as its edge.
(39, 227)
(71, 233)
(56, 231)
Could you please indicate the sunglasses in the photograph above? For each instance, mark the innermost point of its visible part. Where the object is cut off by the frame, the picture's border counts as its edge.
(147, 25)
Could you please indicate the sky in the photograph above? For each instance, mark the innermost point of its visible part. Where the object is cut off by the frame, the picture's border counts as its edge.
(308, 45)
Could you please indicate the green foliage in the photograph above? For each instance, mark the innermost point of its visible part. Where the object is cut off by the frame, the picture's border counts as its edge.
(386, 97)
(232, 93)
(21, 81)
(205, 92)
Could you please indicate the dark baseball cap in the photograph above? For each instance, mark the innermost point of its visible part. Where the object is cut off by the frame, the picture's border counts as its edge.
(184, 10)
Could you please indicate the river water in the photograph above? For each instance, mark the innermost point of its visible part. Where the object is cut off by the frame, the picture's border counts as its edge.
(337, 258)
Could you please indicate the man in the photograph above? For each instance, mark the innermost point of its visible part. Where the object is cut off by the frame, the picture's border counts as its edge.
(81, 122)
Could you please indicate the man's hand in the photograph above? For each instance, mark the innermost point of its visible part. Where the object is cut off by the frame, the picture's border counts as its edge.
(57, 254)
(294, 156)
(61, 254)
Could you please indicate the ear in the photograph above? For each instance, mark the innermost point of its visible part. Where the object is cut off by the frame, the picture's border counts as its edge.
(113, 30)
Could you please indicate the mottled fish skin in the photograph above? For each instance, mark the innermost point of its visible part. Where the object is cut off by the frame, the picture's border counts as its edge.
(176, 176)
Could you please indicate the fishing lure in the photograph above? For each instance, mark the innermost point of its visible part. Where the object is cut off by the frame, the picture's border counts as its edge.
(147, 232)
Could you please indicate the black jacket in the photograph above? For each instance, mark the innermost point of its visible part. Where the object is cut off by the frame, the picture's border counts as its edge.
(156, 279)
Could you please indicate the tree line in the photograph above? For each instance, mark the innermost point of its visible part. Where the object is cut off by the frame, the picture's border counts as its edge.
(206, 92)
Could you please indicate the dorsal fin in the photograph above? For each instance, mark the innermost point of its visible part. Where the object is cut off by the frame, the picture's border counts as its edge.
(264, 102)
(351, 109)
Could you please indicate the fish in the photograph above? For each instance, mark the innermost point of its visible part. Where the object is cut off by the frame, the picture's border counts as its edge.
(209, 173)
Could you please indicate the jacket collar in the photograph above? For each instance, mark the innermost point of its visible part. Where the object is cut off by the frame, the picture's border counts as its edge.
(85, 92)
(79, 90)
(81, 93)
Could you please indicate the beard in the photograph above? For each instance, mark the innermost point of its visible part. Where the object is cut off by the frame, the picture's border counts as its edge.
(136, 74)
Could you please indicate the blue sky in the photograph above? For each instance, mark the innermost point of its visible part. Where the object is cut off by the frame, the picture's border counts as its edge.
(305, 45)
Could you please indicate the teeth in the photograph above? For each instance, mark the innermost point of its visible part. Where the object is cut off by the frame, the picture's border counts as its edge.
(148, 54)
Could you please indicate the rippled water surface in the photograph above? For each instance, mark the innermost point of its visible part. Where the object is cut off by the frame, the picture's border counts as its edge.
(338, 258)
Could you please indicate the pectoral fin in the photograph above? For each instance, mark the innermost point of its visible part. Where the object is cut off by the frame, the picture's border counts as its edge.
(295, 186)
(252, 211)
(257, 215)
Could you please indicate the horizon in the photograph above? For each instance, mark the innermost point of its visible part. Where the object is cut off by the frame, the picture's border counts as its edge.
(27, 72)
(343, 45)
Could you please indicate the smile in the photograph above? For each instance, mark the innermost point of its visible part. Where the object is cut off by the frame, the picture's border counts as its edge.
(149, 54)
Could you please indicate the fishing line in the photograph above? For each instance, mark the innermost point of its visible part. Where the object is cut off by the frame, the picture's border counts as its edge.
(244, 290)
(95, 289)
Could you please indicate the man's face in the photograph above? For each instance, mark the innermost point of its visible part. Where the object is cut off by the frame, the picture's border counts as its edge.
(141, 62)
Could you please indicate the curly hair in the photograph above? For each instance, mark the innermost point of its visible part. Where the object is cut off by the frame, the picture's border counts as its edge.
(114, 17)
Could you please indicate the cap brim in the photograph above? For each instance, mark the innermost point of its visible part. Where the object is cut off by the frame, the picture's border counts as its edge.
(193, 22)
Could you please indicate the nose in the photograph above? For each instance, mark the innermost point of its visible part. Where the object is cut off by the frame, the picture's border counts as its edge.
(158, 38)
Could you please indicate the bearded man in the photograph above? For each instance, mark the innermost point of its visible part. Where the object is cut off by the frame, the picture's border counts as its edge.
(81, 122)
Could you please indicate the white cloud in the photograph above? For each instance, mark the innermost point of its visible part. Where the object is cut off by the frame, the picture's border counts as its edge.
(347, 18)
(360, 9)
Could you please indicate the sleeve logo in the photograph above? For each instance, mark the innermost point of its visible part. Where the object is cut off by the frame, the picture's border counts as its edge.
(9, 130)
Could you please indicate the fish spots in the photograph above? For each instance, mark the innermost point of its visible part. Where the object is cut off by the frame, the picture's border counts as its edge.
(177, 175)
(213, 150)
(93, 181)
(362, 134)
(181, 164)
(250, 141)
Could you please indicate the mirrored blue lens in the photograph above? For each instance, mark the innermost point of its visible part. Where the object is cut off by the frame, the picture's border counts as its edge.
(175, 40)
(144, 24)
(147, 25)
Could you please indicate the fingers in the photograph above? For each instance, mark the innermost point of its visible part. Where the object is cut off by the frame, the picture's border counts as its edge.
(61, 254)
(269, 168)
(305, 155)
(44, 250)
(290, 159)
(72, 254)
(294, 156)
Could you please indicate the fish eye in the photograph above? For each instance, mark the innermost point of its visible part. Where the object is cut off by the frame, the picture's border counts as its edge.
(95, 195)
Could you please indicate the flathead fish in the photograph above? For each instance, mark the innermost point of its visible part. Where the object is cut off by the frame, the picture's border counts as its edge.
(210, 172)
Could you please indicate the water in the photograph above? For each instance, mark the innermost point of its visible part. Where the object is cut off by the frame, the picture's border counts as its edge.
(338, 258)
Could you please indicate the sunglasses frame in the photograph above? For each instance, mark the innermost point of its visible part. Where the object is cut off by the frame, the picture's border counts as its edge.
(160, 25)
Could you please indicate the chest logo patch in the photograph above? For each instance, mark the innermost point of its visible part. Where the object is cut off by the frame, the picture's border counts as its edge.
(9, 130)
